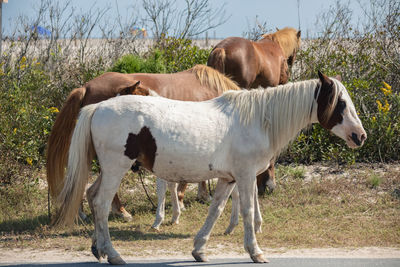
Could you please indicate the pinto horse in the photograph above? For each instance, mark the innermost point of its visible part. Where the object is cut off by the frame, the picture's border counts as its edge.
(196, 84)
(253, 64)
(230, 137)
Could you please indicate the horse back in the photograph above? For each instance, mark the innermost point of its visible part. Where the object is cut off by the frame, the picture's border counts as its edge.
(106, 86)
(184, 86)
(241, 62)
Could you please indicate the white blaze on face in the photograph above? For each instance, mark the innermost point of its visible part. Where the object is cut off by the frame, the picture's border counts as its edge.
(350, 129)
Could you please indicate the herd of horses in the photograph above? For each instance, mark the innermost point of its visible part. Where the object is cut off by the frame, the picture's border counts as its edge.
(188, 127)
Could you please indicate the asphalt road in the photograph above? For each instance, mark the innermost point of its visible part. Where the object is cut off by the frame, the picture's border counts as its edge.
(239, 262)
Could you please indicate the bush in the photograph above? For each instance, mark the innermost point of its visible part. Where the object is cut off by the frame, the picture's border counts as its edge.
(154, 63)
(180, 54)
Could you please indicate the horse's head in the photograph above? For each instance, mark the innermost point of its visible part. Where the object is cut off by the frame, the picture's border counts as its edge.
(336, 111)
(135, 89)
(296, 47)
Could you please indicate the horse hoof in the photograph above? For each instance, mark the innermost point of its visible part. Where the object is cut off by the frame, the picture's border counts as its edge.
(200, 257)
(228, 231)
(258, 230)
(95, 253)
(154, 229)
(116, 261)
(259, 258)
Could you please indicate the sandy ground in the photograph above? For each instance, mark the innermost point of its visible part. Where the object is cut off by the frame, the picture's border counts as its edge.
(38, 256)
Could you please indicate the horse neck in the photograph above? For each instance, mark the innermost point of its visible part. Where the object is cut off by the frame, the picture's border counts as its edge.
(281, 112)
(287, 50)
(291, 109)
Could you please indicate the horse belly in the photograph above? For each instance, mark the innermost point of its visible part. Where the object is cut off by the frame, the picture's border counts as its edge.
(177, 162)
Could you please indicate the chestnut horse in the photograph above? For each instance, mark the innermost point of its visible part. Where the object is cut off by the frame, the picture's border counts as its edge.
(261, 63)
(196, 84)
(253, 64)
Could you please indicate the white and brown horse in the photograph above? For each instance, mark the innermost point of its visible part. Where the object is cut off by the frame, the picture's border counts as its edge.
(230, 137)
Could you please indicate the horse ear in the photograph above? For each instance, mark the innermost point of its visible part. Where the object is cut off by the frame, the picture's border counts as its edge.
(298, 34)
(129, 89)
(277, 29)
(338, 77)
(323, 78)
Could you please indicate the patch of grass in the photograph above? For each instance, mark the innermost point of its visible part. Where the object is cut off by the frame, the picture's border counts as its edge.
(374, 180)
(289, 171)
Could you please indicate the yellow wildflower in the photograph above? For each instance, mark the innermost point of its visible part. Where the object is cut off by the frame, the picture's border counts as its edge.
(54, 110)
(29, 161)
(379, 105)
(46, 117)
(15, 130)
(373, 119)
(387, 86)
(387, 89)
(386, 107)
(23, 59)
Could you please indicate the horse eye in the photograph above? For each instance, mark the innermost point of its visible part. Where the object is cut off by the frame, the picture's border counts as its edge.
(341, 105)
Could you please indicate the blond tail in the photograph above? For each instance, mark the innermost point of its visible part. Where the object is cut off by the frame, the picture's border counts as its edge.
(60, 139)
(79, 159)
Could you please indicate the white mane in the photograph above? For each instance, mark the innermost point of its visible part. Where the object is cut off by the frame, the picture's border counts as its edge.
(281, 111)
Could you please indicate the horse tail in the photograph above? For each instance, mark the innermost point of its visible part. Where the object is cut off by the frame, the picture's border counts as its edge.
(60, 138)
(216, 59)
(81, 154)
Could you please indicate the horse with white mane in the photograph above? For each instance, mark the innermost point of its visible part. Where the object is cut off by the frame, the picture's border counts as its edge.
(230, 137)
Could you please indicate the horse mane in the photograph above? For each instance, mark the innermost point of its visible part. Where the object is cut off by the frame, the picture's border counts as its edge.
(282, 111)
(286, 38)
(212, 78)
(330, 107)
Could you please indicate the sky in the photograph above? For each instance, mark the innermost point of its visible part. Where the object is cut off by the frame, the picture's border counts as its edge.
(242, 13)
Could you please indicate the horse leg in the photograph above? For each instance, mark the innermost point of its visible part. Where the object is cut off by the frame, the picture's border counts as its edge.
(202, 193)
(234, 212)
(271, 183)
(118, 209)
(176, 210)
(110, 180)
(267, 178)
(82, 215)
(181, 193)
(160, 213)
(246, 195)
(257, 213)
(222, 193)
(90, 194)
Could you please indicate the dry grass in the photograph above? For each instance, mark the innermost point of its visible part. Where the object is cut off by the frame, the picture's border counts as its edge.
(312, 207)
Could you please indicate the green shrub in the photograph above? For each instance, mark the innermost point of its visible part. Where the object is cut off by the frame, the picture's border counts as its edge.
(154, 63)
(180, 54)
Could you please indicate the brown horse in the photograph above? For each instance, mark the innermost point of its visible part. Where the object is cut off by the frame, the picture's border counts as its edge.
(261, 63)
(196, 84)
(253, 64)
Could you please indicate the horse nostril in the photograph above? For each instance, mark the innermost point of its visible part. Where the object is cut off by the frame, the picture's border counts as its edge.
(355, 139)
(363, 137)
